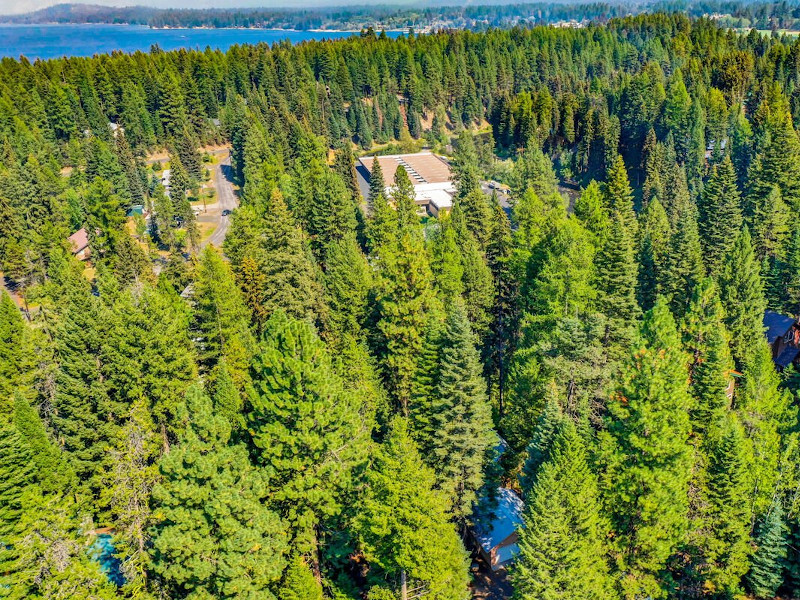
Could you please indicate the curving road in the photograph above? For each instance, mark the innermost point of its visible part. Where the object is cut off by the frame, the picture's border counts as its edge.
(226, 200)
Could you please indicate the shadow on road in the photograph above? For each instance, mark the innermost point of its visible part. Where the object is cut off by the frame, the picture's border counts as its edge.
(227, 171)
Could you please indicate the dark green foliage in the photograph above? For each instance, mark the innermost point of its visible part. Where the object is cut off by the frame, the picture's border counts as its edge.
(307, 425)
(619, 196)
(82, 408)
(685, 260)
(458, 418)
(403, 523)
(653, 254)
(764, 576)
(728, 515)
(221, 319)
(377, 185)
(405, 293)
(742, 295)
(16, 356)
(616, 282)
(437, 319)
(214, 535)
(562, 544)
(18, 472)
(720, 216)
(647, 477)
(538, 451)
(706, 340)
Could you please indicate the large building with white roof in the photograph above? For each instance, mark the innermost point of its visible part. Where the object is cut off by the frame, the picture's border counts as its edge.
(429, 173)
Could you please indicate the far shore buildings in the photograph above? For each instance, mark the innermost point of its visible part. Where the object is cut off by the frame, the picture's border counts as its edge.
(429, 173)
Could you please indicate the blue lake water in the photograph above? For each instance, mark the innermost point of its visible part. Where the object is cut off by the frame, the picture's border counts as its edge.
(54, 41)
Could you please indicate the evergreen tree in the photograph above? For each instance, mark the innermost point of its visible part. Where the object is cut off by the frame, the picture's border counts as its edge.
(150, 354)
(742, 295)
(548, 425)
(16, 353)
(448, 270)
(770, 225)
(778, 157)
(377, 185)
(344, 165)
(478, 292)
(52, 559)
(82, 410)
(307, 427)
(300, 583)
(616, 282)
(685, 260)
(705, 339)
(405, 293)
(214, 536)
(728, 515)
(459, 416)
(653, 254)
(17, 473)
(593, 215)
(619, 196)
(222, 319)
(500, 339)
(764, 576)
(646, 480)
(290, 282)
(382, 225)
(403, 197)
(403, 523)
(562, 551)
(53, 473)
(348, 281)
(720, 217)
(465, 165)
(477, 216)
(126, 494)
(765, 411)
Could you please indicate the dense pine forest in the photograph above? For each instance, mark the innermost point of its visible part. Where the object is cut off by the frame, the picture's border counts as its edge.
(314, 410)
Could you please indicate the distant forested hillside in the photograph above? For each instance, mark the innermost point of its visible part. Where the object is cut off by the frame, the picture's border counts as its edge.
(314, 409)
(762, 15)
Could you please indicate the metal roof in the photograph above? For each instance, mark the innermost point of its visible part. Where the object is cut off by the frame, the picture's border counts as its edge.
(785, 358)
(423, 167)
(499, 521)
(777, 325)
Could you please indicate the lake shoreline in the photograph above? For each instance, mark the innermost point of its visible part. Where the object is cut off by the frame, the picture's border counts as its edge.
(58, 40)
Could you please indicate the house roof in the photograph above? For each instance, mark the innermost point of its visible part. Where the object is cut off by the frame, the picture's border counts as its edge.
(777, 325)
(422, 168)
(79, 240)
(787, 356)
(500, 521)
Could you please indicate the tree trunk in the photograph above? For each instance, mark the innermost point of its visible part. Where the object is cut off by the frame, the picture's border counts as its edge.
(403, 585)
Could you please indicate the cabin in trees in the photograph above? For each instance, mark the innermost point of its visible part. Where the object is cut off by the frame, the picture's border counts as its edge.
(430, 175)
(497, 525)
(79, 241)
(783, 335)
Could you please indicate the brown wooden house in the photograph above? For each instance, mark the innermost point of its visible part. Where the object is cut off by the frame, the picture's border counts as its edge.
(783, 336)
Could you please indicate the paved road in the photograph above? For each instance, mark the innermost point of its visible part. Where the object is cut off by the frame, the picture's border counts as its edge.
(226, 200)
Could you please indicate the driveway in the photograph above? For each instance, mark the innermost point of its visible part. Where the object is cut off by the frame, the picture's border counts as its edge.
(226, 201)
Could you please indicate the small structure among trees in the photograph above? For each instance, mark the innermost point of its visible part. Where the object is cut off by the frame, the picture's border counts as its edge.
(783, 336)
